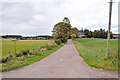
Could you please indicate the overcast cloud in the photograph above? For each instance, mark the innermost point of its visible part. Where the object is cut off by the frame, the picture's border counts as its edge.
(37, 17)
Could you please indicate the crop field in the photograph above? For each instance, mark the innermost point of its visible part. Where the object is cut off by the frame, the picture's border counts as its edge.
(94, 53)
(9, 46)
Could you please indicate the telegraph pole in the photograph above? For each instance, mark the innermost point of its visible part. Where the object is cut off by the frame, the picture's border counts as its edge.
(109, 28)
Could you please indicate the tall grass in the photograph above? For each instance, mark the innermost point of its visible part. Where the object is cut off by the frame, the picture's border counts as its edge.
(94, 53)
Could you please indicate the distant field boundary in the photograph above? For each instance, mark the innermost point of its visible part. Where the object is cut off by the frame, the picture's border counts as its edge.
(34, 40)
(22, 40)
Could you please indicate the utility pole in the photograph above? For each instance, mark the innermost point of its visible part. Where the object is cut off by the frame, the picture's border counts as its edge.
(109, 28)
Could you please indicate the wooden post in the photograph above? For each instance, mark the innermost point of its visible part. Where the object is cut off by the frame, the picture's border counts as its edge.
(117, 50)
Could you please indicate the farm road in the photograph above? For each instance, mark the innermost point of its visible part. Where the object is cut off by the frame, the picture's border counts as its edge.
(64, 63)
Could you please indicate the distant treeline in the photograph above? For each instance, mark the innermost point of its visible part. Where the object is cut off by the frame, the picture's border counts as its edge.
(41, 37)
(97, 33)
(11, 36)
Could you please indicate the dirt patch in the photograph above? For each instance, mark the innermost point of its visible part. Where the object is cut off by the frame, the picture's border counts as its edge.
(5, 39)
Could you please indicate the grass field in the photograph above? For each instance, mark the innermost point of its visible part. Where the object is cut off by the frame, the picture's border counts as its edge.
(8, 46)
(36, 54)
(94, 53)
(26, 60)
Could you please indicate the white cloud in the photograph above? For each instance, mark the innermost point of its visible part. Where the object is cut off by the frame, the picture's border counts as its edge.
(39, 18)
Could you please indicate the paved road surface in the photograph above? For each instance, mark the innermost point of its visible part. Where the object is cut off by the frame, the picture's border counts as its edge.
(64, 63)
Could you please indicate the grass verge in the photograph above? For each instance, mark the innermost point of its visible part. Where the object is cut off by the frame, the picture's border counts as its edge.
(25, 60)
(94, 53)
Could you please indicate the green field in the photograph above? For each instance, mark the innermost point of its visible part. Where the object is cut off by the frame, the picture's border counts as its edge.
(22, 61)
(94, 53)
(8, 46)
(41, 50)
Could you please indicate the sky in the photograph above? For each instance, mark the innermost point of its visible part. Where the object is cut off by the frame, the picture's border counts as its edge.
(38, 17)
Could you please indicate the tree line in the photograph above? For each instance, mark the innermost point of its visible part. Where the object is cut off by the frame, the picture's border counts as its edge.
(97, 33)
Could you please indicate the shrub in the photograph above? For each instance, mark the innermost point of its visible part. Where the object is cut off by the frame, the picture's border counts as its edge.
(53, 45)
(33, 49)
(43, 49)
(58, 41)
(36, 53)
(0, 60)
(24, 52)
(48, 47)
(31, 53)
(38, 49)
(28, 50)
(18, 55)
(4, 60)
(10, 56)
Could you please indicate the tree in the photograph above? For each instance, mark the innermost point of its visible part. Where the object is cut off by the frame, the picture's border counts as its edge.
(91, 33)
(66, 20)
(100, 33)
(111, 34)
(75, 31)
(61, 31)
(95, 34)
(87, 33)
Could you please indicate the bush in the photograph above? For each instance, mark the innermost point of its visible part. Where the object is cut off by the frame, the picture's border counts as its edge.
(35, 52)
(31, 53)
(18, 55)
(4, 60)
(28, 50)
(24, 52)
(58, 41)
(10, 56)
(38, 49)
(53, 45)
(43, 49)
(0, 60)
(48, 47)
